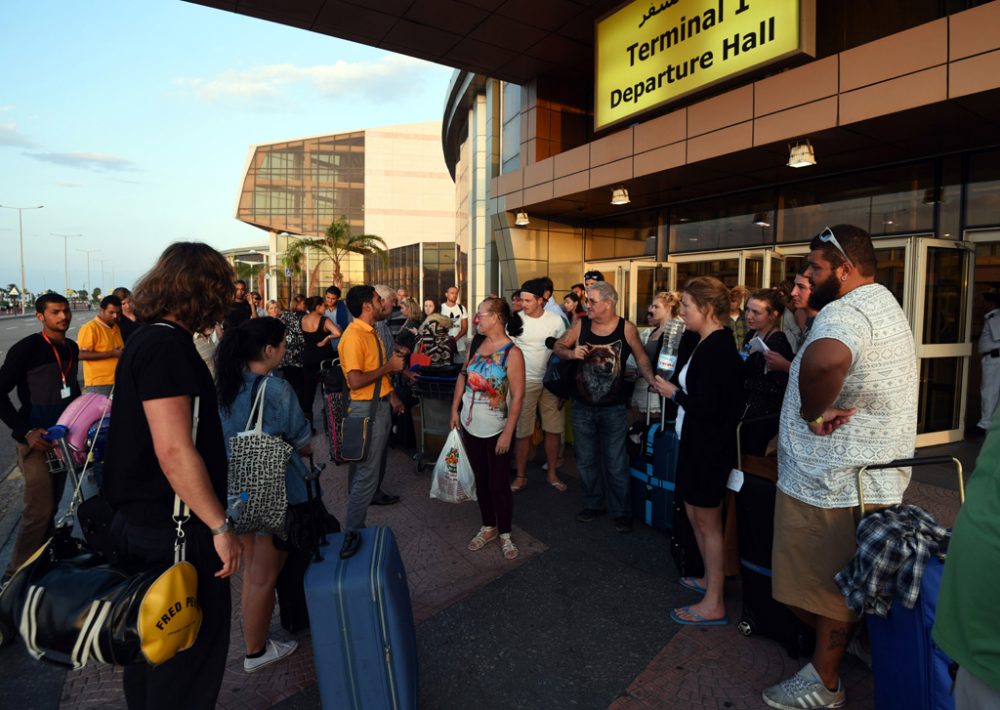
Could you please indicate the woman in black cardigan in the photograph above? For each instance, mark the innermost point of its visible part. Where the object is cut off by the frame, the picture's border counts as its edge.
(708, 388)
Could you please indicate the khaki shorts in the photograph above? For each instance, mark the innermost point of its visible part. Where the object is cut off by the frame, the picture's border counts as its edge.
(537, 397)
(811, 545)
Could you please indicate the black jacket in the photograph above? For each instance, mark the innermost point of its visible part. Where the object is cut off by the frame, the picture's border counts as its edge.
(712, 401)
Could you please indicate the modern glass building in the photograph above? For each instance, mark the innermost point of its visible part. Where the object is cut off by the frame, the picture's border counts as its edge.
(389, 181)
(659, 141)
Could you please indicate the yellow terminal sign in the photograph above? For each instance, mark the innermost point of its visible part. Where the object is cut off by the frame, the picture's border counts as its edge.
(649, 53)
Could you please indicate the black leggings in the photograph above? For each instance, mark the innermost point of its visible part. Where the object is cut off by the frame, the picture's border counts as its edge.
(492, 471)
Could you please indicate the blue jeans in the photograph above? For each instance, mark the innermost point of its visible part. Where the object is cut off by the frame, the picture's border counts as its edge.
(599, 441)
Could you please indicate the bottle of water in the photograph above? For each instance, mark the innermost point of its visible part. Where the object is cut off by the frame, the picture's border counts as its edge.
(236, 505)
(666, 363)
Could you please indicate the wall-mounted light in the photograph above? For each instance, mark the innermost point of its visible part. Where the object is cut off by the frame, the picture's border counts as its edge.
(521, 220)
(619, 196)
(760, 219)
(801, 155)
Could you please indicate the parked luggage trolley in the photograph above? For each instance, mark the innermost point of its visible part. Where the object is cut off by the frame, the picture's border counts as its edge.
(79, 437)
(434, 388)
(908, 669)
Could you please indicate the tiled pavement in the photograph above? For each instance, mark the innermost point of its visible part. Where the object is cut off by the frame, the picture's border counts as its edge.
(536, 632)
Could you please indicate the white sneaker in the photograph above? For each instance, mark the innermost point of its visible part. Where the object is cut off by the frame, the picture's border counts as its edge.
(804, 691)
(274, 651)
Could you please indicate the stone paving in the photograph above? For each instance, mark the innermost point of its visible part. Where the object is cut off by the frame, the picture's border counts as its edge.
(695, 668)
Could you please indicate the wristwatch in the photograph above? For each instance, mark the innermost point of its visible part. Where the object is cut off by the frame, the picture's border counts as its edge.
(815, 420)
(227, 526)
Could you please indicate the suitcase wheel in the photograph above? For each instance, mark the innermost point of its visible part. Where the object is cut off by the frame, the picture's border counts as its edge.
(745, 627)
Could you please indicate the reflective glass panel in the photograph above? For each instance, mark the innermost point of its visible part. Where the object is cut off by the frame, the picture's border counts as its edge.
(944, 295)
(940, 394)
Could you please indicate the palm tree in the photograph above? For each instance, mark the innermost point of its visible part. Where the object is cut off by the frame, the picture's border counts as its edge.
(334, 246)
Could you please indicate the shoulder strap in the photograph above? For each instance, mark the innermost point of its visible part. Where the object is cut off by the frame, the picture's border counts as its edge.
(378, 380)
(256, 403)
(506, 353)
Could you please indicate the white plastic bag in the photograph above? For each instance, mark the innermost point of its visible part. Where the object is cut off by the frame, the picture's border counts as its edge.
(453, 481)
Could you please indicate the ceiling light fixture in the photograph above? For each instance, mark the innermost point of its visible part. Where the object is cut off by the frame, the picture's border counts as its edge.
(619, 196)
(801, 155)
(521, 220)
(761, 220)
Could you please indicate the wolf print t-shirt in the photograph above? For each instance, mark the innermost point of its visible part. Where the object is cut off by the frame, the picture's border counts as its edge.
(600, 376)
(484, 402)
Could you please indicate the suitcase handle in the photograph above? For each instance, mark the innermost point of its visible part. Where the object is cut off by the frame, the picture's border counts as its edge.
(902, 463)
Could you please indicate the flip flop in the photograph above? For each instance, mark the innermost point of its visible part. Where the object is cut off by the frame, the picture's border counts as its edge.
(515, 486)
(696, 619)
(558, 485)
(690, 583)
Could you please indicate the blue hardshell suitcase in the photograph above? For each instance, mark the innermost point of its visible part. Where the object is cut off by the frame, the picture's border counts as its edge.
(363, 635)
(909, 670)
(651, 476)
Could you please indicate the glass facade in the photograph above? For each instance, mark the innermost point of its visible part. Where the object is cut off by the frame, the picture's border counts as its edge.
(404, 270)
(302, 186)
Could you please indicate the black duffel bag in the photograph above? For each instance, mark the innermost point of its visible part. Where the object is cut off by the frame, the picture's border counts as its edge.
(69, 604)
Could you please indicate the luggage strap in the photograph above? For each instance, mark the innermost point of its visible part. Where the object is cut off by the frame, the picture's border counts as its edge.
(903, 463)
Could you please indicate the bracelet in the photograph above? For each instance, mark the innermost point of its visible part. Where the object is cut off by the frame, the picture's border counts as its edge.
(222, 529)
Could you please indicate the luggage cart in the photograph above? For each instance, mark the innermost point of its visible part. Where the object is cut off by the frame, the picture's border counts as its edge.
(908, 668)
(434, 388)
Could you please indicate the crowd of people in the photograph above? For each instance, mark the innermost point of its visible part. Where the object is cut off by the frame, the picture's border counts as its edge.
(820, 370)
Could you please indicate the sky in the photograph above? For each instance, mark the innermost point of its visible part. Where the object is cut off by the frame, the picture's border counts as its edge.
(131, 123)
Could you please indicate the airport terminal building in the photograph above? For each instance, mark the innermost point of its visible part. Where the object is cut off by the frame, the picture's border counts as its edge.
(659, 141)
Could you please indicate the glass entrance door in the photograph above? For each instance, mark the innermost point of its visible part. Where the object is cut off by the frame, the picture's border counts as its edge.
(647, 280)
(618, 274)
(941, 276)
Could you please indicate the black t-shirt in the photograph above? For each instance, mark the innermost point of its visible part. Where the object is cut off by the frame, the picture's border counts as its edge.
(31, 367)
(160, 361)
(237, 314)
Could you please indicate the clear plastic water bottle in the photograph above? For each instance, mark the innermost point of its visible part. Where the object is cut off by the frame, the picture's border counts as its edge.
(666, 362)
(236, 505)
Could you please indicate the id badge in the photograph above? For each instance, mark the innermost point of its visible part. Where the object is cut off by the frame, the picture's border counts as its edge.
(64, 392)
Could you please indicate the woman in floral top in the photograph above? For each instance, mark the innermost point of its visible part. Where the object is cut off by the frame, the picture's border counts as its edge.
(291, 365)
(490, 390)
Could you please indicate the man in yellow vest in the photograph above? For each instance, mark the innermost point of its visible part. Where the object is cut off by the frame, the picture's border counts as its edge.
(101, 345)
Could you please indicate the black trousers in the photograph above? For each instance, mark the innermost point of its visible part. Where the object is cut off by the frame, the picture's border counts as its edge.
(296, 378)
(192, 679)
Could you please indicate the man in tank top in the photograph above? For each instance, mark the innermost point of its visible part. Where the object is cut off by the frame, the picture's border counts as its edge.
(602, 344)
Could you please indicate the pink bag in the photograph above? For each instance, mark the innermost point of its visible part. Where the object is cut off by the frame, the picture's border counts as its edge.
(82, 412)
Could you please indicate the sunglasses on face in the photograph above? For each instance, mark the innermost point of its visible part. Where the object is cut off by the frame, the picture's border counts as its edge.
(827, 237)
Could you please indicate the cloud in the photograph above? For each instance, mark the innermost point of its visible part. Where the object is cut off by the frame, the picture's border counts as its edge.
(67, 183)
(6, 107)
(98, 162)
(9, 135)
(393, 75)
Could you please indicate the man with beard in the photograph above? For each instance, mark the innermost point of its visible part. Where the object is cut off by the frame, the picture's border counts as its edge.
(851, 400)
(800, 303)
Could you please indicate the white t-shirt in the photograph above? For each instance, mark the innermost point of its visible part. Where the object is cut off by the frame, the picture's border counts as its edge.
(881, 382)
(555, 309)
(456, 313)
(531, 341)
(682, 380)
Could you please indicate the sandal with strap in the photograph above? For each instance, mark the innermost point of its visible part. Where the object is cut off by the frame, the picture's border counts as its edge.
(480, 540)
(515, 486)
(508, 546)
(558, 485)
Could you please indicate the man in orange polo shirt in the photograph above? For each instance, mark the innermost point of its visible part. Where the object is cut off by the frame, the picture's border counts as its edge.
(101, 345)
(368, 367)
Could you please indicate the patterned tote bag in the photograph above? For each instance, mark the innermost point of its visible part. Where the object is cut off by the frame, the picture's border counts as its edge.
(257, 467)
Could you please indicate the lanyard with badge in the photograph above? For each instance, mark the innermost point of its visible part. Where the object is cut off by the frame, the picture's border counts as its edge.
(64, 393)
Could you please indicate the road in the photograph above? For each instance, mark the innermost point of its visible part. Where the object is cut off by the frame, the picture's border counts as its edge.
(12, 329)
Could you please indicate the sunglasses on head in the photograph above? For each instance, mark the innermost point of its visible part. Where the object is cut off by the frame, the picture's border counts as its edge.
(827, 237)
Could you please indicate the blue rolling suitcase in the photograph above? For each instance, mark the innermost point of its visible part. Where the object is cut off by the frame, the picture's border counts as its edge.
(363, 635)
(909, 670)
(651, 475)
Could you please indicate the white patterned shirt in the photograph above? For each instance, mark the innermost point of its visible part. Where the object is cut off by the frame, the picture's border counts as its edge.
(881, 382)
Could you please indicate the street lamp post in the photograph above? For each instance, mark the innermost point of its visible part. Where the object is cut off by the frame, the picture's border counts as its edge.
(66, 238)
(90, 286)
(20, 234)
(104, 284)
